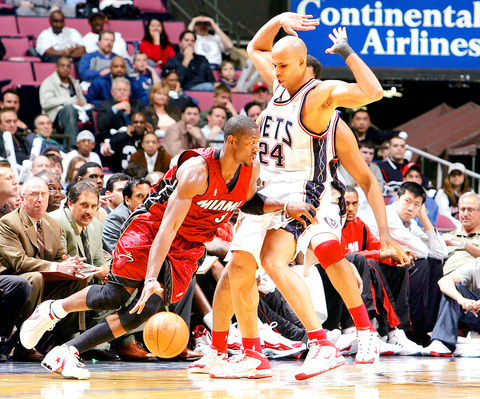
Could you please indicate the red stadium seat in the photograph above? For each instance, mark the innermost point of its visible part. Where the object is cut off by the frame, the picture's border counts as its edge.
(132, 31)
(80, 24)
(20, 73)
(205, 99)
(240, 99)
(173, 30)
(153, 6)
(8, 26)
(444, 224)
(16, 47)
(32, 25)
(44, 69)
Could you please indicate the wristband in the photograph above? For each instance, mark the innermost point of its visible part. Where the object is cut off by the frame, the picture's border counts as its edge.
(343, 48)
(150, 279)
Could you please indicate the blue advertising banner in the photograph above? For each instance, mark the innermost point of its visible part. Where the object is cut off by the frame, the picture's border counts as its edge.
(398, 34)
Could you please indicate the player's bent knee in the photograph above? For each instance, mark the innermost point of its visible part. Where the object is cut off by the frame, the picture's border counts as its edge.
(328, 253)
(131, 321)
(106, 297)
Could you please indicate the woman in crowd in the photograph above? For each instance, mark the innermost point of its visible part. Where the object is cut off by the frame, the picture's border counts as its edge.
(72, 169)
(155, 43)
(455, 184)
(159, 112)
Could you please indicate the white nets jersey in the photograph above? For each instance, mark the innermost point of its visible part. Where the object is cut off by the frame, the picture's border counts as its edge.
(298, 164)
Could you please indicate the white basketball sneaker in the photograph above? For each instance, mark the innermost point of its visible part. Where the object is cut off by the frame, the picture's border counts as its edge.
(275, 345)
(41, 321)
(320, 359)
(202, 339)
(368, 347)
(409, 348)
(249, 364)
(64, 360)
(210, 359)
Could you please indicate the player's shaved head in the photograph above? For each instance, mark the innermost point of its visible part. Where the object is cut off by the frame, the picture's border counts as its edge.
(239, 125)
(292, 46)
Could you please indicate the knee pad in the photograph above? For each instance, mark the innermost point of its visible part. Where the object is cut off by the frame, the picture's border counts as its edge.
(131, 321)
(106, 297)
(328, 253)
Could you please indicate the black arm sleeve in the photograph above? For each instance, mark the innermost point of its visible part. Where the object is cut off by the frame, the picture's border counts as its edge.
(255, 205)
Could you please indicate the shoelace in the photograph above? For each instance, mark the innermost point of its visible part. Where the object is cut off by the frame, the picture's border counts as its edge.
(364, 344)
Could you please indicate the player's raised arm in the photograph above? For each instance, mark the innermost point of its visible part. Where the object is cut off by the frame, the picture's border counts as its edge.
(260, 47)
(192, 179)
(367, 88)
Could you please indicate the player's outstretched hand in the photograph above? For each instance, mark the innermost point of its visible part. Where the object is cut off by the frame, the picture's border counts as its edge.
(339, 39)
(292, 22)
(301, 211)
(404, 258)
(150, 287)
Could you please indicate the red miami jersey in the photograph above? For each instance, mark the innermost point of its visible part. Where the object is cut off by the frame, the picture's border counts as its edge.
(209, 210)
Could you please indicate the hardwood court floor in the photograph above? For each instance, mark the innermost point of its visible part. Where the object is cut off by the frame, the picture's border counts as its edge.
(396, 377)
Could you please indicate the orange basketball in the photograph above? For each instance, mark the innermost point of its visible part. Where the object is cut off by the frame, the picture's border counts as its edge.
(166, 334)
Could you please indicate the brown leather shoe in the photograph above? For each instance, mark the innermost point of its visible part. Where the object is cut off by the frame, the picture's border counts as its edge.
(22, 354)
(134, 352)
(188, 354)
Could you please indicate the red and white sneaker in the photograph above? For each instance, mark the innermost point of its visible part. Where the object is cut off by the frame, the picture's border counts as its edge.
(64, 360)
(202, 339)
(210, 359)
(320, 359)
(249, 364)
(368, 347)
(275, 345)
(41, 321)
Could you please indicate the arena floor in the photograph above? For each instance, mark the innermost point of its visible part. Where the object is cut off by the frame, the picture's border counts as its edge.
(395, 377)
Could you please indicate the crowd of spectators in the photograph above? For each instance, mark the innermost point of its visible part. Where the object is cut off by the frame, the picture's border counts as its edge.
(126, 120)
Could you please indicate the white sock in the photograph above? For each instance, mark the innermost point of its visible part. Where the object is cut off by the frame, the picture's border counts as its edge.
(208, 320)
(57, 309)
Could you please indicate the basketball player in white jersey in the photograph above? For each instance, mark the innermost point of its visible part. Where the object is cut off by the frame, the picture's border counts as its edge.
(302, 141)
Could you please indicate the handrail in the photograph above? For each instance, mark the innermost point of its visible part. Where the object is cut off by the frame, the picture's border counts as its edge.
(439, 162)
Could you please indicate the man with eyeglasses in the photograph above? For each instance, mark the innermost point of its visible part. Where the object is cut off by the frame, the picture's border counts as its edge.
(30, 243)
(464, 242)
(62, 99)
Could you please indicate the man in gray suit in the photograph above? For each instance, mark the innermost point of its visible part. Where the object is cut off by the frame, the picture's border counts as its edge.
(30, 243)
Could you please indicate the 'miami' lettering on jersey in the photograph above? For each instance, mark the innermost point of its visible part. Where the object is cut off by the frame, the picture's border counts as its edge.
(219, 205)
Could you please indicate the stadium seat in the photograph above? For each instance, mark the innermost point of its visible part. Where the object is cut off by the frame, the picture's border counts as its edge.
(44, 69)
(17, 47)
(444, 224)
(173, 30)
(32, 26)
(8, 26)
(151, 6)
(132, 31)
(240, 99)
(80, 24)
(205, 99)
(20, 73)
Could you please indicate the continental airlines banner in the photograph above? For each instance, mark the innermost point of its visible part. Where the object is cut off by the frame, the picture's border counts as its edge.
(398, 34)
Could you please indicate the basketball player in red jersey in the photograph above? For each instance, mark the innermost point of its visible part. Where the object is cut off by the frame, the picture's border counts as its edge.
(159, 249)
(302, 141)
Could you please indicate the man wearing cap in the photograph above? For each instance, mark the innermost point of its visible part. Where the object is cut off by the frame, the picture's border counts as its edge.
(194, 71)
(464, 242)
(260, 94)
(62, 99)
(96, 21)
(85, 144)
(413, 172)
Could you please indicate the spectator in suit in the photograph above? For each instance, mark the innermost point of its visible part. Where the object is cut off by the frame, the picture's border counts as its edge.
(152, 155)
(55, 190)
(134, 193)
(193, 70)
(101, 87)
(185, 134)
(96, 21)
(115, 186)
(62, 99)
(30, 243)
(115, 112)
(59, 40)
(8, 123)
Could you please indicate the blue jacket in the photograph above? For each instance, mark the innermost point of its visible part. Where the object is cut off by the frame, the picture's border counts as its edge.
(101, 87)
(91, 64)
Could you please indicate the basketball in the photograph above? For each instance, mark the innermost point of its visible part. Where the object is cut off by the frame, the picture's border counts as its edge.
(166, 334)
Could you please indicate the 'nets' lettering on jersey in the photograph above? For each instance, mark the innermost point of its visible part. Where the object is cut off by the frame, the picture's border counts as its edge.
(279, 127)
